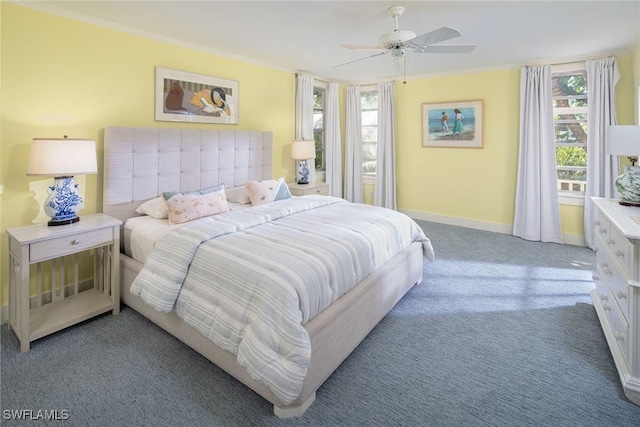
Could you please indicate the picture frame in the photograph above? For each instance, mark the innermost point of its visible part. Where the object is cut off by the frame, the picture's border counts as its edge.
(464, 132)
(189, 97)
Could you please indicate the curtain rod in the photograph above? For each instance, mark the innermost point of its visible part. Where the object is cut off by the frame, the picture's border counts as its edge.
(321, 79)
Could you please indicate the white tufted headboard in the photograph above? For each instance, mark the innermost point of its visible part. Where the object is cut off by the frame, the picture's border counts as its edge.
(141, 163)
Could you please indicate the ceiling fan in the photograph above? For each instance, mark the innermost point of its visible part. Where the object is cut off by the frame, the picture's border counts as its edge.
(397, 41)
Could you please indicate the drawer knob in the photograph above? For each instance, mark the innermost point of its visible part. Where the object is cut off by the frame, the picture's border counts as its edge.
(620, 253)
(619, 336)
(75, 242)
(595, 277)
(604, 297)
(622, 295)
(612, 242)
(606, 307)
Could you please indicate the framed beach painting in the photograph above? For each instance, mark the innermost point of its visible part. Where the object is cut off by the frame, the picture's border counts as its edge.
(190, 97)
(452, 124)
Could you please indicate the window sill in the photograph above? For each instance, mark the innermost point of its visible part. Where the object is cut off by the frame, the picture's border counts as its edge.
(369, 179)
(571, 199)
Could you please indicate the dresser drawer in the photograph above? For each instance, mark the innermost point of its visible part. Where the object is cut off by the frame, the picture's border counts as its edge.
(619, 325)
(602, 286)
(602, 227)
(54, 248)
(619, 286)
(621, 248)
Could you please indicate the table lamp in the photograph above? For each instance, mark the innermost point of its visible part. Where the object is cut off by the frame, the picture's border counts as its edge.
(62, 158)
(302, 151)
(625, 141)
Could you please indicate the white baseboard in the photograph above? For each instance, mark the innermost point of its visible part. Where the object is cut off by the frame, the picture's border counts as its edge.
(46, 298)
(570, 239)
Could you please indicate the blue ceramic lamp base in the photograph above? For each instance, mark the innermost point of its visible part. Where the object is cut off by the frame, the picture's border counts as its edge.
(303, 172)
(64, 202)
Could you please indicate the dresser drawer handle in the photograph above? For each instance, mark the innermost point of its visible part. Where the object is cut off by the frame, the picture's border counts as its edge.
(604, 297)
(75, 242)
(622, 295)
(612, 242)
(595, 277)
(619, 336)
(606, 307)
(620, 253)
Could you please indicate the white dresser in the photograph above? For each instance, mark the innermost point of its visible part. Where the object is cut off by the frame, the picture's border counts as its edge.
(617, 293)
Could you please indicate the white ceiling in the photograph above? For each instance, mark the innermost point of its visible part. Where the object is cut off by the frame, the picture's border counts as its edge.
(307, 35)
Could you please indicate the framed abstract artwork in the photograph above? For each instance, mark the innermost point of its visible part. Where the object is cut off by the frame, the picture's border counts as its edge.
(452, 124)
(190, 97)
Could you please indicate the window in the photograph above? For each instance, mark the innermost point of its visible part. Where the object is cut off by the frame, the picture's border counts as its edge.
(569, 86)
(369, 111)
(318, 125)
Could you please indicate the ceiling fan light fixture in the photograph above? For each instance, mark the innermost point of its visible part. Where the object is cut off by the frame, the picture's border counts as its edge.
(397, 53)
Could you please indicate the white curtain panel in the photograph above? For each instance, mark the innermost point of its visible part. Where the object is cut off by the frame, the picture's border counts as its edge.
(304, 114)
(333, 145)
(602, 169)
(537, 211)
(385, 193)
(353, 147)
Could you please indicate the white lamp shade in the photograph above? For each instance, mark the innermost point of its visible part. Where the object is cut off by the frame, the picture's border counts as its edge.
(623, 140)
(62, 157)
(303, 149)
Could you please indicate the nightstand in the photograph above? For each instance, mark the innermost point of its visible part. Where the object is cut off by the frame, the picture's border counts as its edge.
(55, 253)
(321, 188)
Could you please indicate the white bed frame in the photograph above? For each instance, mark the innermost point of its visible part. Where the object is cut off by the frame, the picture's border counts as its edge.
(140, 163)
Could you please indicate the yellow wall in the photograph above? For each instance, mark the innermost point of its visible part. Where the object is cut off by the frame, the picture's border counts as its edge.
(61, 76)
(460, 182)
(475, 184)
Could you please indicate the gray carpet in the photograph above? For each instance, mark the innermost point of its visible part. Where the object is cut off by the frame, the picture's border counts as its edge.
(501, 333)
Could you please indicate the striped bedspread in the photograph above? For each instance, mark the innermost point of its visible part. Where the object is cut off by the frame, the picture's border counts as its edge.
(250, 280)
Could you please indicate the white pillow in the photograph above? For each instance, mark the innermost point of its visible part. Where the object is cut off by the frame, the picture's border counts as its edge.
(267, 191)
(155, 208)
(238, 195)
(184, 206)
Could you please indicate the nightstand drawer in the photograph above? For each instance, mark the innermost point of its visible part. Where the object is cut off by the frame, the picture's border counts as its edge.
(324, 190)
(307, 189)
(54, 248)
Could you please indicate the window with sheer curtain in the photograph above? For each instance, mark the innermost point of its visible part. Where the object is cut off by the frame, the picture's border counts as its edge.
(369, 111)
(318, 125)
(570, 113)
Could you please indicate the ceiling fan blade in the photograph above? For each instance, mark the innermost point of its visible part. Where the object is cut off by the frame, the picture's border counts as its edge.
(360, 59)
(363, 47)
(435, 36)
(451, 48)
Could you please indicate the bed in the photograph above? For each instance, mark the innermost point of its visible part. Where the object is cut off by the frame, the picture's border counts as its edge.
(141, 163)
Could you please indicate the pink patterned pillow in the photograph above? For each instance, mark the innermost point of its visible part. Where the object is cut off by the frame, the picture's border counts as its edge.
(267, 191)
(187, 206)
